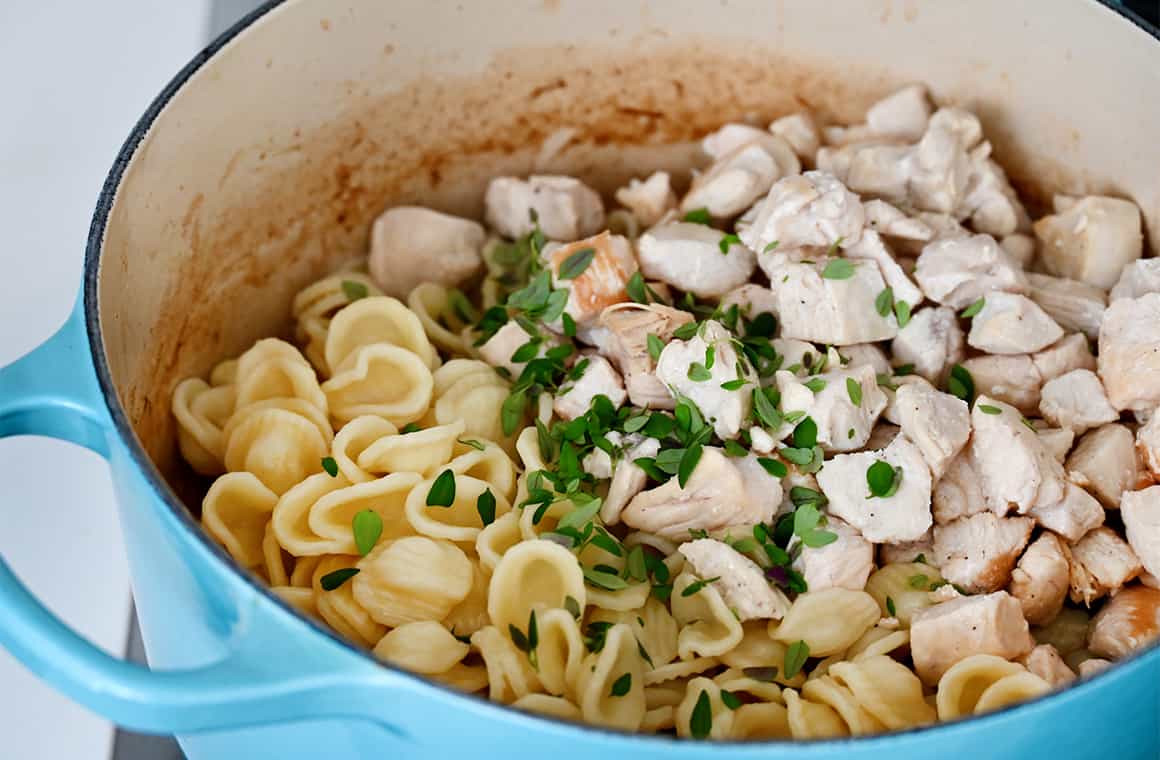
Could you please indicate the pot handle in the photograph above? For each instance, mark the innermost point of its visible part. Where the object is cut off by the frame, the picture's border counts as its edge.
(53, 391)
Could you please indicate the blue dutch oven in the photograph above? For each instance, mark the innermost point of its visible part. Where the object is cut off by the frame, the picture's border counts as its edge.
(263, 163)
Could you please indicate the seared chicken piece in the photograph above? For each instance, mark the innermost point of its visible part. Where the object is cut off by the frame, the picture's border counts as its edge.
(845, 563)
(1015, 469)
(1139, 278)
(811, 209)
(1073, 304)
(1013, 380)
(796, 355)
(648, 199)
(1148, 446)
(602, 282)
(1129, 352)
(688, 256)
(751, 300)
(1072, 516)
(1093, 666)
(412, 245)
(892, 413)
(903, 516)
(932, 341)
(1057, 440)
(1076, 401)
(1104, 462)
(870, 246)
(909, 551)
(842, 424)
(865, 353)
(938, 423)
(958, 493)
(1101, 562)
(1020, 248)
(940, 165)
(628, 327)
(1092, 240)
(1012, 324)
(979, 552)
(627, 479)
(990, 201)
(943, 634)
(736, 179)
(1141, 513)
(902, 115)
(599, 379)
(801, 132)
(1063, 356)
(565, 207)
(1041, 580)
(878, 169)
(498, 349)
(957, 272)
(888, 220)
(1128, 622)
(696, 370)
(1045, 662)
(730, 137)
(839, 312)
(740, 581)
(715, 497)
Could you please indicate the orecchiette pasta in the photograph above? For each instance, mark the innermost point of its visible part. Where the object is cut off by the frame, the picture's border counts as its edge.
(553, 707)
(423, 451)
(533, 575)
(708, 627)
(458, 521)
(279, 447)
(828, 621)
(560, 651)
(812, 720)
(352, 440)
(424, 646)
(963, 684)
(201, 413)
(340, 608)
(331, 516)
(720, 716)
(509, 674)
(602, 699)
(380, 379)
(236, 510)
(377, 320)
(907, 585)
(442, 320)
(411, 579)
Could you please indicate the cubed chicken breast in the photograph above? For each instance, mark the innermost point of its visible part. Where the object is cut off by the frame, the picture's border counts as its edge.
(959, 492)
(411, 245)
(1141, 513)
(843, 425)
(498, 349)
(811, 209)
(648, 199)
(1128, 622)
(797, 355)
(1020, 248)
(1041, 580)
(730, 137)
(697, 368)
(1074, 305)
(1072, 516)
(626, 345)
(735, 180)
(871, 246)
(938, 423)
(890, 221)
(1092, 241)
(890, 388)
(1057, 440)
(751, 300)
(957, 272)
(801, 132)
(599, 379)
(881, 170)
(909, 551)
(1012, 379)
(1065, 355)
(940, 166)
(1045, 662)
(1015, 470)
(1104, 462)
(1129, 352)
(932, 341)
(1101, 563)
(1076, 401)
(1148, 446)
(838, 311)
(602, 280)
(1139, 278)
(739, 580)
(904, 114)
(902, 516)
(1010, 323)
(978, 552)
(943, 634)
(865, 353)
(565, 207)
(845, 563)
(688, 256)
(990, 202)
(627, 479)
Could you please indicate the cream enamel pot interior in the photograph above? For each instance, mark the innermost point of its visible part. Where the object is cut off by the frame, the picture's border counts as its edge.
(262, 166)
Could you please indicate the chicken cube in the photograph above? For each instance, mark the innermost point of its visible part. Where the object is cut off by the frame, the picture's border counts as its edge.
(870, 246)
(978, 552)
(842, 424)
(1074, 305)
(903, 114)
(990, 201)
(1063, 356)
(876, 169)
(648, 199)
(838, 312)
(888, 220)
(938, 423)
(948, 632)
(1076, 401)
(956, 272)
(1129, 622)
(1021, 248)
(1012, 324)
(811, 209)
(499, 348)
(903, 516)
(845, 563)
(628, 327)
(801, 132)
(412, 245)
(1141, 513)
(1057, 440)
(730, 137)
(1148, 446)
(958, 493)
(891, 387)
(941, 167)
(1045, 662)
(1012, 379)
(909, 551)
(599, 379)
(601, 283)
(865, 353)
(1093, 240)
(1015, 469)
(1041, 579)
(932, 341)
(696, 369)
(565, 207)
(1139, 278)
(739, 580)
(1129, 352)
(1093, 666)
(1072, 516)
(627, 478)
(751, 300)
(734, 181)
(1101, 562)
(1104, 462)
(688, 256)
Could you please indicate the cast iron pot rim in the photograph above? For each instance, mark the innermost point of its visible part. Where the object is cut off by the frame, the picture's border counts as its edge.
(182, 514)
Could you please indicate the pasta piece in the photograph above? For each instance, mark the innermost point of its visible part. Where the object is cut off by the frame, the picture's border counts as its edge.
(236, 511)
(552, 707)
(302, 576)
(560, 651)
(907, 585)
(495, 540)
(767, 720)
(201, 413)
(737, 681)
(281, 448)
(478, 402)
(224, 373)
(297, 406)
(333, 514)
(279, 377)
(548, 519)
(376, 320)
(470, 615)
(380, 379)
(442, 322)
(640, 538)
(876, 641)
(1010, 690)
(301, 599)
(316, 304)
(340, 609)
(622, 600)
(422, 647)
(618, 662)
(828, 621)
(667, 694)
(708, 628)
(721, 716)
(468, 678)
(352, 441)
(413, 578)
(424, 451)
(461, 520)
(457, 369)
(679, 669)
(823, 666)
(533, 575)
(812, 720)
(509, 676)
(291, 518)
(653, 626)
(273, 557)
(756, 649)
(659, 719)
(264, 350)
(963, 684)
(886, 689)
(491, 465)
(826, 690)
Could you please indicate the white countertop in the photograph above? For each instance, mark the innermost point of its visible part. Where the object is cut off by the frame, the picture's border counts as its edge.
(75, 77)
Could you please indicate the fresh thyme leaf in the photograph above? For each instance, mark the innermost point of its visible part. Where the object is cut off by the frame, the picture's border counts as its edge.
(485, 505)
(621, 685)
(854, 391)
(330, 466)
(698, 216)
(696, 586)
(883, 479)
(635, 288)
(884, 302)
(333, 580)
(770, 247)
(773, 467)
(728, 240)
(988, 409)
(576, 263)
(973, 309)
(839, 269)
(655, 346)
(354, 290)
(442, 493)
(701, 720)
(902, 313)
(477, 445)
(795, 657)
(367, 526)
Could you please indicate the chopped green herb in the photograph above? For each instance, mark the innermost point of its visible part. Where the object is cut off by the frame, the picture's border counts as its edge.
(622, 685)
(961, 384)
(764, 409)
(727, 240)
(745, 545)
(655, 346)
(815, 384)
(461, 306)
(367, 526)
(572, 606)
(410, 427)
(735, 449)
(604, 579)
(798, 456)
(773, 467)
(635, 288)
(580, 516)
(918, 581)
(890, 607)
(988, 409)
(576, 263)
(569, 324)
(698, 373)
(883, 479)
(527, 351)
(485, 505)
(710, 357)
(442, 493)
(696, 586)
(770, 247)
(733, 385)
(902, 313)
(635, 565)
(1027, 423)
(688, 463)
(333, 580)
(698, 216)
(833, 249)
(805, 434)
(801, 495)
(886, 381)
(920, 559)
(701, 721)
(850, 433)
(730, 700)
(854, 390)
(902, 370)
(973, 309)
(795, 657)
(330, 466)
(839, 269)
(512, 411)
(884, 302)
(633, 424)
(354, 290)
(477, 445)
(686, 331)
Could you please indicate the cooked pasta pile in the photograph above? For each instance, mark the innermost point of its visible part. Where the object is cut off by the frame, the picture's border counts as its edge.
(594, 468)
